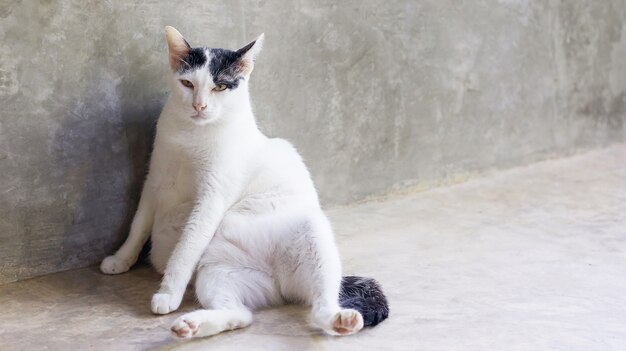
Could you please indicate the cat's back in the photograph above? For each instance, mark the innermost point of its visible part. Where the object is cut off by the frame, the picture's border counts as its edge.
(278, 165)
(280, 155)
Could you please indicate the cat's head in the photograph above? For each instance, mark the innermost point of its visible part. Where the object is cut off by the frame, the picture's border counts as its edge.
(209, 83)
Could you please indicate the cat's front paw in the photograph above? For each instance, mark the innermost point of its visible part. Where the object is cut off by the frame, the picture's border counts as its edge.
(163, 303)
(114, 265)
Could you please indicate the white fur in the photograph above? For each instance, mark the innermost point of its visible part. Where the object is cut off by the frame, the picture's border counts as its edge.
(236, 208)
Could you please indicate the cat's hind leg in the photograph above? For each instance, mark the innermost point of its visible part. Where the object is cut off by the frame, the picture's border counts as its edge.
(228, 293)
(317, 278)
(201, 323)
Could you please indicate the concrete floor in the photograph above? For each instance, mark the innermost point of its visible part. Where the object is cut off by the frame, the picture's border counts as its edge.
(528, 259)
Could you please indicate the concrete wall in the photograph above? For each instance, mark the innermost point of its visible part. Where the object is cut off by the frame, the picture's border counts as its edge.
(374, 94)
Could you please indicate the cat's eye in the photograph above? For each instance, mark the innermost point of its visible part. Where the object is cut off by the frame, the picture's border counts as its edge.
(186, 83)
(220, 87)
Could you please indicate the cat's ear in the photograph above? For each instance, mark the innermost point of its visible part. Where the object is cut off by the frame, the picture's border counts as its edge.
(179, 47)
(249, 53)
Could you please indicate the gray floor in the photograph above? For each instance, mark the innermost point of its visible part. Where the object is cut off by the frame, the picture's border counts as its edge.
(529, 259)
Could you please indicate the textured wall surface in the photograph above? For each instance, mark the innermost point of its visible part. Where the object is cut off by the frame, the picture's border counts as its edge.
(374, 94)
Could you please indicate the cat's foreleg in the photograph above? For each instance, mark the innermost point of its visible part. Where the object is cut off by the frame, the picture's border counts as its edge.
(197, 234)
(140, 229)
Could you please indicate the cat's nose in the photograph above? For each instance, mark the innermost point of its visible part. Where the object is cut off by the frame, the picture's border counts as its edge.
(199, 106)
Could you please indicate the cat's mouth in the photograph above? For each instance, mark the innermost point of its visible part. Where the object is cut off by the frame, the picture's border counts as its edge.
(200, 117)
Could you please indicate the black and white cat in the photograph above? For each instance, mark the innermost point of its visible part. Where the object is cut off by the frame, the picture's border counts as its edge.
(236, 208)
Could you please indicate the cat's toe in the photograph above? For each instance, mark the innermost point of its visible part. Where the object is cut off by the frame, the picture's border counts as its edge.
(164, 303)
(114, 265)
(347, 322)
(184, 328)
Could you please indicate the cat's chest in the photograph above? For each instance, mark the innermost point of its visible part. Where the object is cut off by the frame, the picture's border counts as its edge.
(175, 179)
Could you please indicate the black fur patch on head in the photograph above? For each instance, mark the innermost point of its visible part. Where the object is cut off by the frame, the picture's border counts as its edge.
(226, 67)
(196, 59)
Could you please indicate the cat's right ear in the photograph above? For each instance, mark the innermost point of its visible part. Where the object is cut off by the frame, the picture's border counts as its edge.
(178, 47)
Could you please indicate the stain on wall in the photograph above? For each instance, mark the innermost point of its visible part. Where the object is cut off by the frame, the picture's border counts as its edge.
(374, 95)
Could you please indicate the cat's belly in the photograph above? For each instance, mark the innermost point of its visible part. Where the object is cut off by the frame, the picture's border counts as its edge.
(247, 235)
(242, 243)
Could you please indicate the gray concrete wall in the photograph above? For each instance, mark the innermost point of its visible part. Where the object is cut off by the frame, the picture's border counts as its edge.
(375, 94)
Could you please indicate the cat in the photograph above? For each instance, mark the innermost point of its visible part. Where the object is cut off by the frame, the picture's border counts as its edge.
(236, 209)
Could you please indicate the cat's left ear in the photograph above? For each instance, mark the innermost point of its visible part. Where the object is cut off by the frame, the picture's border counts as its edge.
(249, 53)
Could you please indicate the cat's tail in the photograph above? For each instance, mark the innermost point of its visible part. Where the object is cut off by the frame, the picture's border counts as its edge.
(366, 296)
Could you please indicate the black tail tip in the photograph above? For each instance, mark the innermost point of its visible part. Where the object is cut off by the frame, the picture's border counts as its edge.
(366, 296)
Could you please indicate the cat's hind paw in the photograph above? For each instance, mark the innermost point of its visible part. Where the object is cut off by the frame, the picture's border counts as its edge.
(184, 328)
(163, 303)
(114, 265)
(347, 321)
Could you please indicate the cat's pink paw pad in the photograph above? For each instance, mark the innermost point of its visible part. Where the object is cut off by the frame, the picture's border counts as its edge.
(347, 322)
(184, 329)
